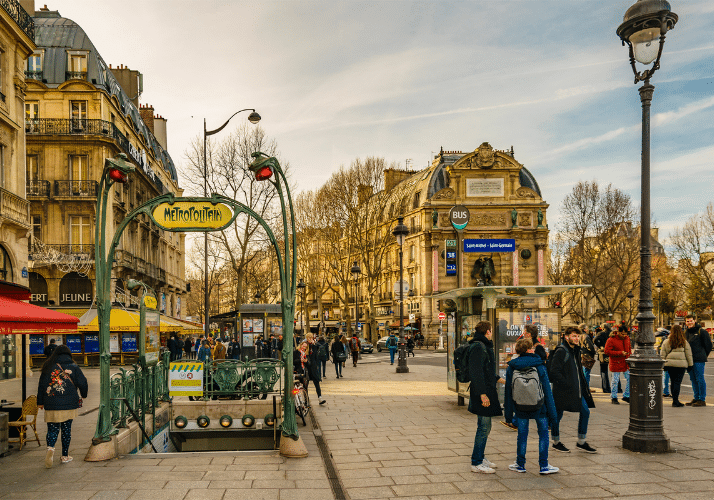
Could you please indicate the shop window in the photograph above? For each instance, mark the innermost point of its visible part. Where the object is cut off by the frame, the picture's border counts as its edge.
(6, 273)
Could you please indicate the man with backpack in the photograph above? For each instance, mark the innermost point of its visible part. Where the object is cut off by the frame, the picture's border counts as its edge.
(323, 354)
(355, 346)
(570, 392)
(528, 394)
(483, 398)
(392, 345)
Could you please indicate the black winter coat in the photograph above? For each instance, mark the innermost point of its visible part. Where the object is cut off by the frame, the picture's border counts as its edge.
(700, 342)
(336, 348)
(601, 338)
(313, 366)
(55, 392)
(540, 351)
(482, 373)
(566, 375)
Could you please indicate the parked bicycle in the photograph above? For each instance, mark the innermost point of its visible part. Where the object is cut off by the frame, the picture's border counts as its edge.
(302, 402)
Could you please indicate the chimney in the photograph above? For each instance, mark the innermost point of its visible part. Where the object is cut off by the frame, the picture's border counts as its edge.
(147, 114)
(392, 177)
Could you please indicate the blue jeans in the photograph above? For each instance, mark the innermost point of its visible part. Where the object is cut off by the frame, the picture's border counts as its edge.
(323, 366)
(616, 380)
(665, 389)
(586, 372)
(338, 369)
(392, 350)
(542, 424)
(582, 421)
(482, 432)
(699, 385)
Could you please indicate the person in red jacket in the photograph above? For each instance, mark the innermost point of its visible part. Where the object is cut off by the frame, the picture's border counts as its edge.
(618, 349)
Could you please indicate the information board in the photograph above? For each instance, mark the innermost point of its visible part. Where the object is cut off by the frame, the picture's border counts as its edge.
(113, 342)
(186, 379)
(451, 267)
(91, 343)
(74, 342)
(128, 342)
(152, 342)
(37, 344)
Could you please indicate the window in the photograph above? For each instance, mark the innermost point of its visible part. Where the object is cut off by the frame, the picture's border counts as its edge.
(32, 114)
(415, 202)
(36, 233)
(79, 167)
(34, 66)
(412, 253)
(5, 265)
(78, 114)
(33, 175)
(2, 165)
(2, 70)
(79, 233)
(77, 65)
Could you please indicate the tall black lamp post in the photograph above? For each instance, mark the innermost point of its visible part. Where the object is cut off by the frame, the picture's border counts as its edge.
(355, 270)
(301, 286)
(643, 30)
(400, 232)
(659, 287)
(630, 296)
(252, 118)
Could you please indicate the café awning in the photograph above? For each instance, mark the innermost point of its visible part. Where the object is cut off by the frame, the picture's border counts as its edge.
(122, 320)
(17, 317)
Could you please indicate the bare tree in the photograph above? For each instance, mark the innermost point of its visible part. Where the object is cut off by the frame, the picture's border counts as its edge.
(195, 299)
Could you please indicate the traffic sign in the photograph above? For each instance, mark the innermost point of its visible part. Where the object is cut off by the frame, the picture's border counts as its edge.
(442, 316)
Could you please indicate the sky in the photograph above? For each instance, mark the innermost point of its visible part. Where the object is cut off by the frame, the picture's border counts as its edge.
(340, 80)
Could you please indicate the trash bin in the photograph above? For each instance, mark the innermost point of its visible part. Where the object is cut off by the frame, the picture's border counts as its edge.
(4, 419)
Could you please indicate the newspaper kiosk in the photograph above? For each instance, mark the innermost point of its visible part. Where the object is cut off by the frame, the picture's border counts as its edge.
(509, 309)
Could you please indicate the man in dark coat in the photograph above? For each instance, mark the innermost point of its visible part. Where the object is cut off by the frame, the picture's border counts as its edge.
(483, 398)
(701, 344)
(570, 391)
(600, 340)
(50, 348)
(171, 346)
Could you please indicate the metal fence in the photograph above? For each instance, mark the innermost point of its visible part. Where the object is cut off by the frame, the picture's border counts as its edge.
(142, 388)
(237, 379)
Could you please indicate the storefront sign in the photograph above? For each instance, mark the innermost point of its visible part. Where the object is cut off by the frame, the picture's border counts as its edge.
(505, 245)
(75, 290)
(192, 215)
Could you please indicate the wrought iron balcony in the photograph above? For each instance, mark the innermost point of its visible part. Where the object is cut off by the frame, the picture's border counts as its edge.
(14, 208)
(20, 16)
(38, 188)
(65, 126)
(34, 75)
(82, 189)
(75, 75)
(60, 253)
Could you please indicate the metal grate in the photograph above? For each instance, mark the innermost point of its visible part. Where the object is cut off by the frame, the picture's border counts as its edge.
(332, 476)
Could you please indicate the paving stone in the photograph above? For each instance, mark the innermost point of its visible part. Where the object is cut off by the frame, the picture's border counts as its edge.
(204, 494)
(111, 495)
(370, 492)
(252, 494)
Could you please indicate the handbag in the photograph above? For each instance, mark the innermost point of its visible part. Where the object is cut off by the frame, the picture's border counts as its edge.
(341, 356)
(67, 377)
(587, 361)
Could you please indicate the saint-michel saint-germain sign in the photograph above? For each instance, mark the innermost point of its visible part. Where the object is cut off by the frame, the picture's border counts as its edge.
(192, 215)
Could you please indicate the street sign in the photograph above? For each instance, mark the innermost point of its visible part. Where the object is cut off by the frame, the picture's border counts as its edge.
(459, 217)
(412, 317)
(496, 245)
(186, 379)
(442, 316)
(405, 288)
(192, 215)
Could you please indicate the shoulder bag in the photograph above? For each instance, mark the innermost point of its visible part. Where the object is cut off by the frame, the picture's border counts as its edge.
(69, 379)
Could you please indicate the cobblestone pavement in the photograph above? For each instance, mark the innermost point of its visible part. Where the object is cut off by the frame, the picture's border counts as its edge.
(391, 436)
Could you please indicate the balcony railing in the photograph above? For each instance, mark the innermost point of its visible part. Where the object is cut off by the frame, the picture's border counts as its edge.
(14, 208)
(84, 189)
(64, 126)
(20, 16)
(140, 265)
(75, 75)
(38, 188)
(34, 75)
(61, 253)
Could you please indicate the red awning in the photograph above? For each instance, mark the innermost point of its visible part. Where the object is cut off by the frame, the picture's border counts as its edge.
(18, 317)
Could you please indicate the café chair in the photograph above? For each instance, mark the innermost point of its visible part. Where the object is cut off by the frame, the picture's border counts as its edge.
(29, 409)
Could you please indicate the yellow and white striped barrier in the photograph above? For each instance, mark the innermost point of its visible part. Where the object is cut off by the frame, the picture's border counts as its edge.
(186, 379)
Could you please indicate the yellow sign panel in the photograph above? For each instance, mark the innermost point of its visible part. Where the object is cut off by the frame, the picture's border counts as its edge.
(188, 214)
(186, 379)
(149, 301)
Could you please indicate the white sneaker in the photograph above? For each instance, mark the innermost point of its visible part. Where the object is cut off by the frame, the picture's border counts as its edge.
(516, 468)
(549, 469)
(322, 401)
(488, 463)
(482, 468)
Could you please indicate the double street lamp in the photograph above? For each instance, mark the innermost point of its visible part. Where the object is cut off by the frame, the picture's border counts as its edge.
(355, 270)
(400, 232)
(643, 30)
(301, 286)
(252, 118)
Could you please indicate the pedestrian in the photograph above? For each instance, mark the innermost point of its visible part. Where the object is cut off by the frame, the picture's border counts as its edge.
(677, 355)
(392, 345)
(587, 352)
(531, 382)
(323, 354)
(266, 348)
(660, 337)
(355, 346)
(258, 346)
(618, 350)
(187, 346)
(57, 395)
(280, 347)
(410, 346)
(339, 354)
(570, 392)
(171, 346)
(600, 340)
(312, 365)
(234, 349)
(219, 352)
(532, 331)
(49, 349)
(701, 345)
(204, 353)
(273, 347)
(483, 398)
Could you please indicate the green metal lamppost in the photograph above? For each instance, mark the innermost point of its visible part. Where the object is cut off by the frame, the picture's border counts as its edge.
(643, 30)
(400, 232)
(355, 271)
(252, 118)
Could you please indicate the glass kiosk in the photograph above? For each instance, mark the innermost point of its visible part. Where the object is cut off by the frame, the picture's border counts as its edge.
(476, 304)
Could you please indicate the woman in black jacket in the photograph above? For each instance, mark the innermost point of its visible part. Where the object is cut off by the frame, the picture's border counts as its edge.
(337, 349)
(312, 367)
(57, 395)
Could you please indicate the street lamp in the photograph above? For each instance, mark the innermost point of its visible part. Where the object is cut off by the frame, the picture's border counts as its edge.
(257, 297)
(355, 270)
(659, 286)
(643, 30)
(252, 118)
(400, 232)
(302, 286)
(630, 296)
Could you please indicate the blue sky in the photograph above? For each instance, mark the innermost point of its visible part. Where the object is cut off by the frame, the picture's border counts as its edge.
(335, 81)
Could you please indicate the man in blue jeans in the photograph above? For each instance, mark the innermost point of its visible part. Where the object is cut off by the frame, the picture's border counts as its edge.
(570, 392)
(392, 345)
(701, 344)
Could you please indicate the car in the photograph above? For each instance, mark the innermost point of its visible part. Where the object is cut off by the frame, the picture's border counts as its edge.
(382, 343)
(366, 347)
